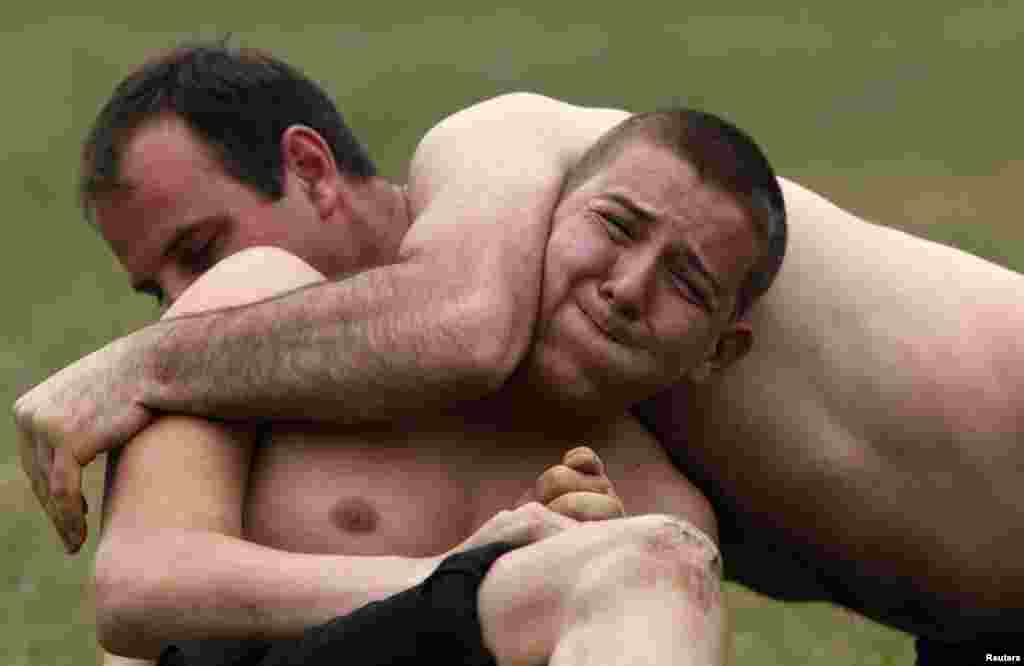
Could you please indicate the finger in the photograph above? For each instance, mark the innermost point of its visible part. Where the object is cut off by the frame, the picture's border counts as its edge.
(67, 501)
(560, 479)
(30, 465)
(583, 459)
(586, 506)
(544, 522)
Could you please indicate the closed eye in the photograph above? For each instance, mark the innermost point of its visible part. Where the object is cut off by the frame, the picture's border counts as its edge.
(195, 247)
(689, 291)
(617, 229)
(198, 255)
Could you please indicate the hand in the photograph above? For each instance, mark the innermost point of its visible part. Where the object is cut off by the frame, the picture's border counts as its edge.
(66, 421)
(521, 526)
(578, 488)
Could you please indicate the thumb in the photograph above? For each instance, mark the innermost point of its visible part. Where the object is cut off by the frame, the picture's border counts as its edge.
(67, 506)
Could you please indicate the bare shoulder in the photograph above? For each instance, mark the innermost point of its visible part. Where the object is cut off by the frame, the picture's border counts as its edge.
(251, 275)
(548, 116)
(538, 134)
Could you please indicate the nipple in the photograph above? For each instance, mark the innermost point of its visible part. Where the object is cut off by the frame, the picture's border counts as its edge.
(354, 514)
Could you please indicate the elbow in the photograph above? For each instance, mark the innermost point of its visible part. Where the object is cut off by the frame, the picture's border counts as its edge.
(493, 336)
(480, 328)
(120, 600)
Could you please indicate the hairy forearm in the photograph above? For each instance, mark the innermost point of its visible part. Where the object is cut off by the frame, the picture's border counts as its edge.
(448, 323)
(373, 346)
(156, 586)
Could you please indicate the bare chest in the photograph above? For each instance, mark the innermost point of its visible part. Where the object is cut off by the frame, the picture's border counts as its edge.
(422, 491)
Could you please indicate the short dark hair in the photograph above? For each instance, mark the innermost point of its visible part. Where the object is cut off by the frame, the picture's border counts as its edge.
(724, 156)
(239, 101)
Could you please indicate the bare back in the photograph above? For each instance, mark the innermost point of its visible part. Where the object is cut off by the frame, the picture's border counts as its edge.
(876, 427)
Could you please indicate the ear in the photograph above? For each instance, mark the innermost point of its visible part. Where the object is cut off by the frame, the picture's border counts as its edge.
(309, 164)
(733, 344)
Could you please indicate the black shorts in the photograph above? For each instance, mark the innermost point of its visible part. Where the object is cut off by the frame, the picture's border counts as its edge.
(436, 620)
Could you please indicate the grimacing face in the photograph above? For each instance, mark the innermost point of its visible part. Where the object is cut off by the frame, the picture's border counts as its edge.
(641, 276)
(182, 213)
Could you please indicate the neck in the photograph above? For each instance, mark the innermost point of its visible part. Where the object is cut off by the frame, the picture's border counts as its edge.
(520, 406)
(382, 209)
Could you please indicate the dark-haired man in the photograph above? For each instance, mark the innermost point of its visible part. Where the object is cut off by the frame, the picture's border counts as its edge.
(884, 388)
(166, 171)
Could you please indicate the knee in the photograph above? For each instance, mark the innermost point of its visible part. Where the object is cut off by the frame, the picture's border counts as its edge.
(669, 540)
(532, 594)
(661, 554)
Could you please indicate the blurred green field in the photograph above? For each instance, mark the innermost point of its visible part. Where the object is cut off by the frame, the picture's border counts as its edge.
(904, 113)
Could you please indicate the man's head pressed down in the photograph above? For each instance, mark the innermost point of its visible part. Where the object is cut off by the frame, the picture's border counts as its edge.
(206, 150)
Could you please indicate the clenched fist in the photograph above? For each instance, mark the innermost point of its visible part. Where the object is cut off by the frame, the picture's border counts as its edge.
(578, 488)
(65, 422)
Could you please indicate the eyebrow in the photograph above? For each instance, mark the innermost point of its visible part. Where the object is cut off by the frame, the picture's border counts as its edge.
(636, 209)
(692, 258)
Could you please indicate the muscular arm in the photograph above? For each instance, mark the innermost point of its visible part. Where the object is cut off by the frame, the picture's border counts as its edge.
(448, 322)
(172, 564)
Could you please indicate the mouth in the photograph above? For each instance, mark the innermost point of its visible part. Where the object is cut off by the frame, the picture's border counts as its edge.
(606, 331)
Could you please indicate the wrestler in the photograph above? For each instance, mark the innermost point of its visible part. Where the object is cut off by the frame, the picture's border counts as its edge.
(884, 387)
(666, 256)
(141, 147)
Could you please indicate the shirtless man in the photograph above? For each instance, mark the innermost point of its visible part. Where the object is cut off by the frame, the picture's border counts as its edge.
(874, 427)
(133, 553)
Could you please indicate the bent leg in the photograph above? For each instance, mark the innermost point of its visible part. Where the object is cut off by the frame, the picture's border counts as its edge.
(642, 590)
(436, 620)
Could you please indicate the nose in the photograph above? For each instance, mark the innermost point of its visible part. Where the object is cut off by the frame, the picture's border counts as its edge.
(628, 287)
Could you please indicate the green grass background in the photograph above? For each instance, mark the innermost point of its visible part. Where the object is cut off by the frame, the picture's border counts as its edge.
(906, 113)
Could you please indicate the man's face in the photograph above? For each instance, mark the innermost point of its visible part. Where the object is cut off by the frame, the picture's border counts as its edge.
(183, 213)
(641, 276)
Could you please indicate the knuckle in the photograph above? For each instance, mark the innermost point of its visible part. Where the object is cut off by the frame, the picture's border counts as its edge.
(22, 414)
(558, 479)
(578, 453)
